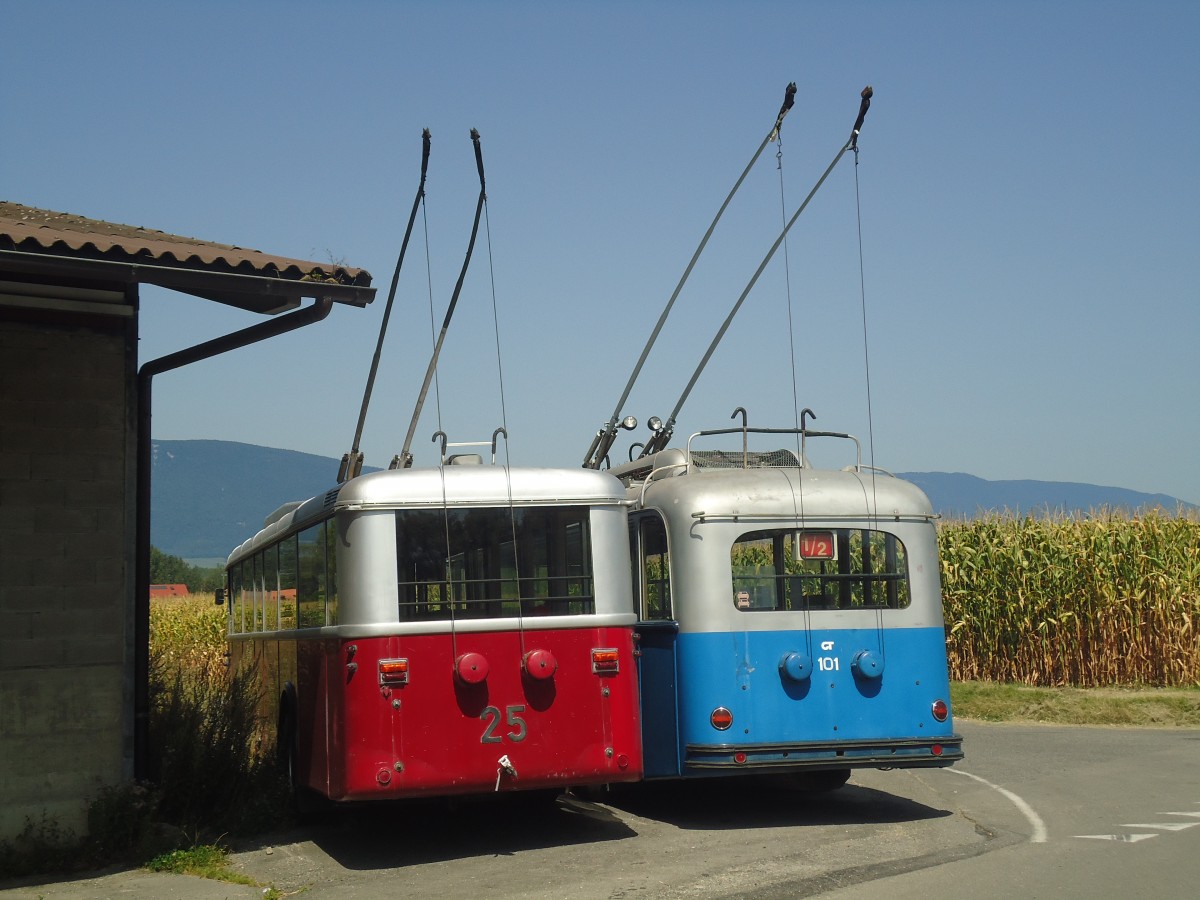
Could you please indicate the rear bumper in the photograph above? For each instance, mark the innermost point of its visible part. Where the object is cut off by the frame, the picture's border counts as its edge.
(903, 753)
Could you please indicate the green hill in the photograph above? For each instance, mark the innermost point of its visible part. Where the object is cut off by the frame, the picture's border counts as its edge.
(209, 496)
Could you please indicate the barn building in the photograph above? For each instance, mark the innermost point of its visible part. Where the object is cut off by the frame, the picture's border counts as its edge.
(75, 481)
(168, 590)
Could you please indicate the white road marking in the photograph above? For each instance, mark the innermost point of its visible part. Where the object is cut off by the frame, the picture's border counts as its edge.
(1039, 827)
(1119, 838)
(1165, 826)
(1195, 815)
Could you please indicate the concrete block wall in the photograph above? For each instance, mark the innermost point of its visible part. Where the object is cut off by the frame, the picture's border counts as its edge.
(66, 521)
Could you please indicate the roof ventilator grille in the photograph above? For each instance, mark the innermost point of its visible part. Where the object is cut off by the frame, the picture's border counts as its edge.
(733, 459)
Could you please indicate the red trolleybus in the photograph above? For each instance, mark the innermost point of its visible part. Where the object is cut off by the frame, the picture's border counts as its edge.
(444, 631)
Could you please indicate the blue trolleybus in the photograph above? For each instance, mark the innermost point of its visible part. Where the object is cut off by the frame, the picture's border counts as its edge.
(790, 617)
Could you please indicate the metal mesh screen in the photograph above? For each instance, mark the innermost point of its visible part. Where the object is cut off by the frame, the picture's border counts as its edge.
(732, 459)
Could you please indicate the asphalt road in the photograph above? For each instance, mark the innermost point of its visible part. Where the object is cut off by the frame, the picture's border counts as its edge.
(1098, 812)
(1032, 812)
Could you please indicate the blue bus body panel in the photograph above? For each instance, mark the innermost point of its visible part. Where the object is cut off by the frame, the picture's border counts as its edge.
(837, 717)
(661, 747)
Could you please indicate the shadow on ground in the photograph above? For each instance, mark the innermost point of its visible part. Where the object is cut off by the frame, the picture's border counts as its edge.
(412, 833)
(741, 803)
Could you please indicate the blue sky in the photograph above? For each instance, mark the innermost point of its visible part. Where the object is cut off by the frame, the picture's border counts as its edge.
(1027, 182)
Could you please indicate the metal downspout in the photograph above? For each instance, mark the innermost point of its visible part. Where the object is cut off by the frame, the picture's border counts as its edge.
(141, 601)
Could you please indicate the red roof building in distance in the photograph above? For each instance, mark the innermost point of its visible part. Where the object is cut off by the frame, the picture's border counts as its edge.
(169, 590)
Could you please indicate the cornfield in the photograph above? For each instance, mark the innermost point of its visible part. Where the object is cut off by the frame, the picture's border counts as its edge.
(1101, 600)
(189, 636)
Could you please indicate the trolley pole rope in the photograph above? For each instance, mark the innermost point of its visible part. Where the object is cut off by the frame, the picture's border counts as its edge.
(605, 437)
(405, 459)
(352, 462)
(663, 435)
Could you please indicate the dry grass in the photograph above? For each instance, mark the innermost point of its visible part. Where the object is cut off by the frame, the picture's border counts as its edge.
(1155, 707)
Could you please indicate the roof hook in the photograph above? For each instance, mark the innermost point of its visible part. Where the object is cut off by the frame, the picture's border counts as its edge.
(745, 448)
(442, 435)
(804, 413)
(498, 431)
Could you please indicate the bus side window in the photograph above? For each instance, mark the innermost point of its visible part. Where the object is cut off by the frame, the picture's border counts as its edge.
(256, 624)
(238, 600)
(655, 568)
(331, 585)
(271, 588)
(311, 583)
(287, 583)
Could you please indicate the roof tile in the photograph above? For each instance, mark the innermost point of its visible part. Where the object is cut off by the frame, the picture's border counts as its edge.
(30, 229)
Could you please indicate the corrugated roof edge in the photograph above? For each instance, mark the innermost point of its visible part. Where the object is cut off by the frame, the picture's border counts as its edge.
(32, 230)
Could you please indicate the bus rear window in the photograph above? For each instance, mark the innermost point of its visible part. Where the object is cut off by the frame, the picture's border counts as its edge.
(493, 562)
(789, 569)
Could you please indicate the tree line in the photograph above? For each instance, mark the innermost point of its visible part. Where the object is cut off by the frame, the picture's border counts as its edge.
(167, 569)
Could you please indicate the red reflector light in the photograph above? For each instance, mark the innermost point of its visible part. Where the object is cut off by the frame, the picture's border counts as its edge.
(540, 664)
(936, 749)
(472, 668)
(721, 718)
(393, 671)
(940, 710)
(606, 661)
(739, 757)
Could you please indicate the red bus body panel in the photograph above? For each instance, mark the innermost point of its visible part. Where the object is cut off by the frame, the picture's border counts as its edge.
(438, 735)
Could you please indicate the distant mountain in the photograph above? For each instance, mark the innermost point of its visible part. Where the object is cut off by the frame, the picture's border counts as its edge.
(954, 494)
(209, 496)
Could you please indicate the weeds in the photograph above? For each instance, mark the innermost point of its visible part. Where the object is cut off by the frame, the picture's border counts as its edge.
(212, 769)
(202, 860)
(43, 846)
(206, 861)
(121, 821)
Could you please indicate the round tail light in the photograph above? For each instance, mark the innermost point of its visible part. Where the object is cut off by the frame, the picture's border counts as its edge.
(721, 718)
(940, 710)
(472, 668)
(540, 664)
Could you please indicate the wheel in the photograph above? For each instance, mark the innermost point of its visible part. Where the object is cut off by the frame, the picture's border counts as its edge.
(304, 803)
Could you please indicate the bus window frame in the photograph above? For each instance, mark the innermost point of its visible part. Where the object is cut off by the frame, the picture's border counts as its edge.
(642, 582)
(503, 562)
(841, 585)
(310, 580)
